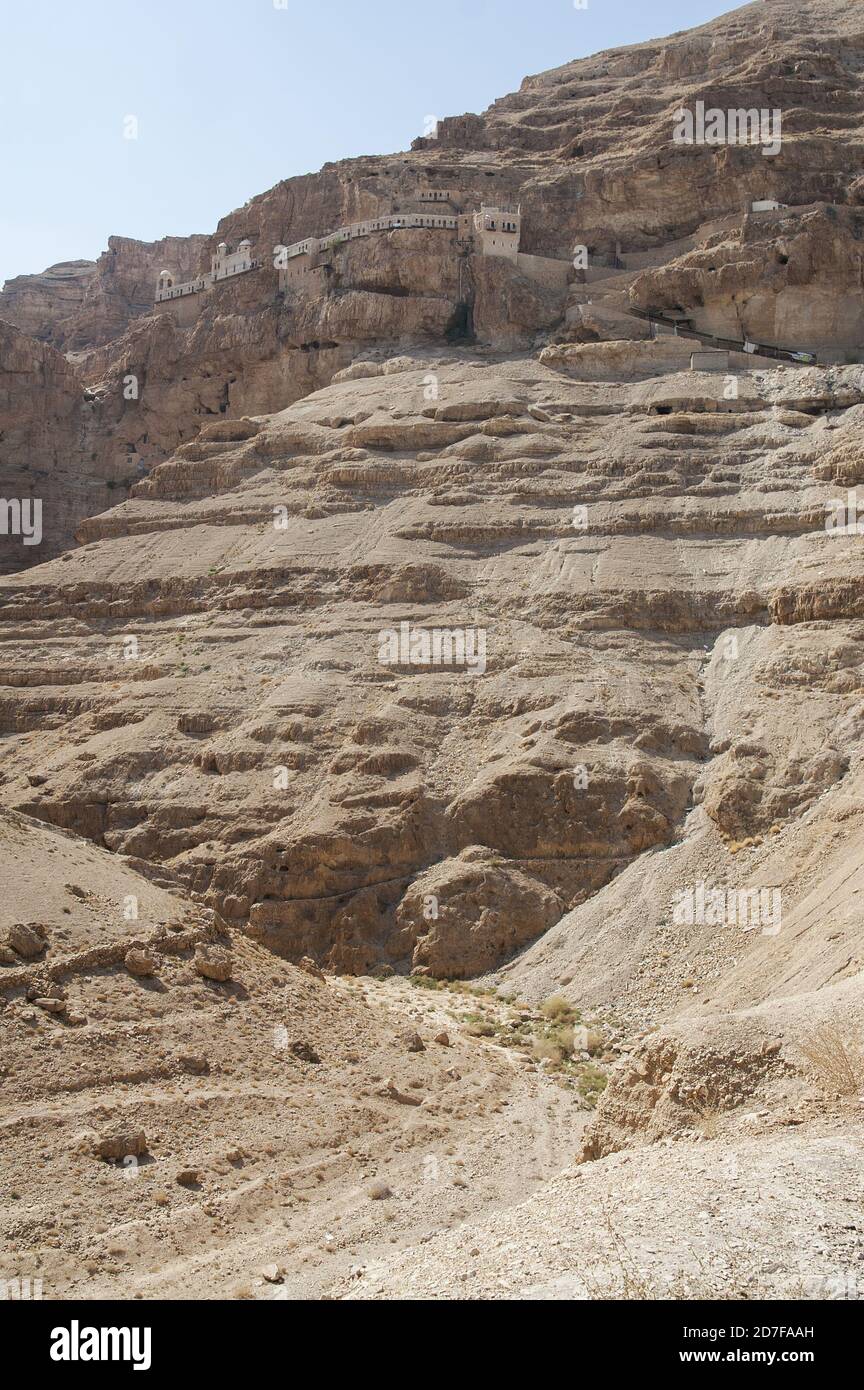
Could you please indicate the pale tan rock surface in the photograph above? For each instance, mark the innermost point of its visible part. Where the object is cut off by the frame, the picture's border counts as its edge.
(200, 1132)
(36, 303)
(51, 448)
(244, 801)
(310, 784)
(79, 304)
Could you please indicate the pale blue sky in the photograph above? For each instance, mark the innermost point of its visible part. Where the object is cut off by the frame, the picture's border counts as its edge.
(232, 97)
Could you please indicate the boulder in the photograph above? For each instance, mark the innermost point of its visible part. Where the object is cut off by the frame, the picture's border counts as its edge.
(141, 962)
(213, 962)
(121, 1143)
(29, 939)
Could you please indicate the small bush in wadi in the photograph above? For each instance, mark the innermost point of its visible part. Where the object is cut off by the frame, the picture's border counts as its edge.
(558, 1009)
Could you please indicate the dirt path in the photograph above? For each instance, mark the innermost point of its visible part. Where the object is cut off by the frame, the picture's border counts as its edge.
(284, 1155)
(775, 1217)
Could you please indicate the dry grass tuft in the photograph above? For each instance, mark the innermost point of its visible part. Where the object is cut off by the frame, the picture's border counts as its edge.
(836, 1059)
(558, 1009)
(709, 1119)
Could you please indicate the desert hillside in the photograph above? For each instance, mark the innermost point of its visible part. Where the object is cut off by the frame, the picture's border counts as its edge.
(432, 754)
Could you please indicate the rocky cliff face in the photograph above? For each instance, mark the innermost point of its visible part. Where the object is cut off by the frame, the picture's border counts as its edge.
(587, 148)
(43, 432)
(49, 452)
(600, 128)
(269, 743)
(588, 151)
(793, 276)
(425, 489)
(81, 304)
(38, 304)
(445, 620)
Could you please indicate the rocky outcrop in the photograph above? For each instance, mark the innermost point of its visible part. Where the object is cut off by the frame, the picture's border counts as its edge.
(672, 1083)
(465, 915)
(37, 304)
(794, 277)
(80, 304)
(48, 452)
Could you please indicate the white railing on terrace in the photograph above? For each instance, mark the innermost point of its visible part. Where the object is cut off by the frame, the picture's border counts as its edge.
(204, 282)
(419, 220)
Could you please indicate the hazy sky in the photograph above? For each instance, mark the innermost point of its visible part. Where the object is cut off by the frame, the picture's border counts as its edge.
(229, 98)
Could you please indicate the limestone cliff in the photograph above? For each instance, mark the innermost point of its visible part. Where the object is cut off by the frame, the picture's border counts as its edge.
(37, 304)
(430, 616)
(424, 420)
(588, 152)
(80, 304)
(49, 451)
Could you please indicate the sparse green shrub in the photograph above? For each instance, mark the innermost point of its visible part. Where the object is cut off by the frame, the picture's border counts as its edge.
(558, 1008)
